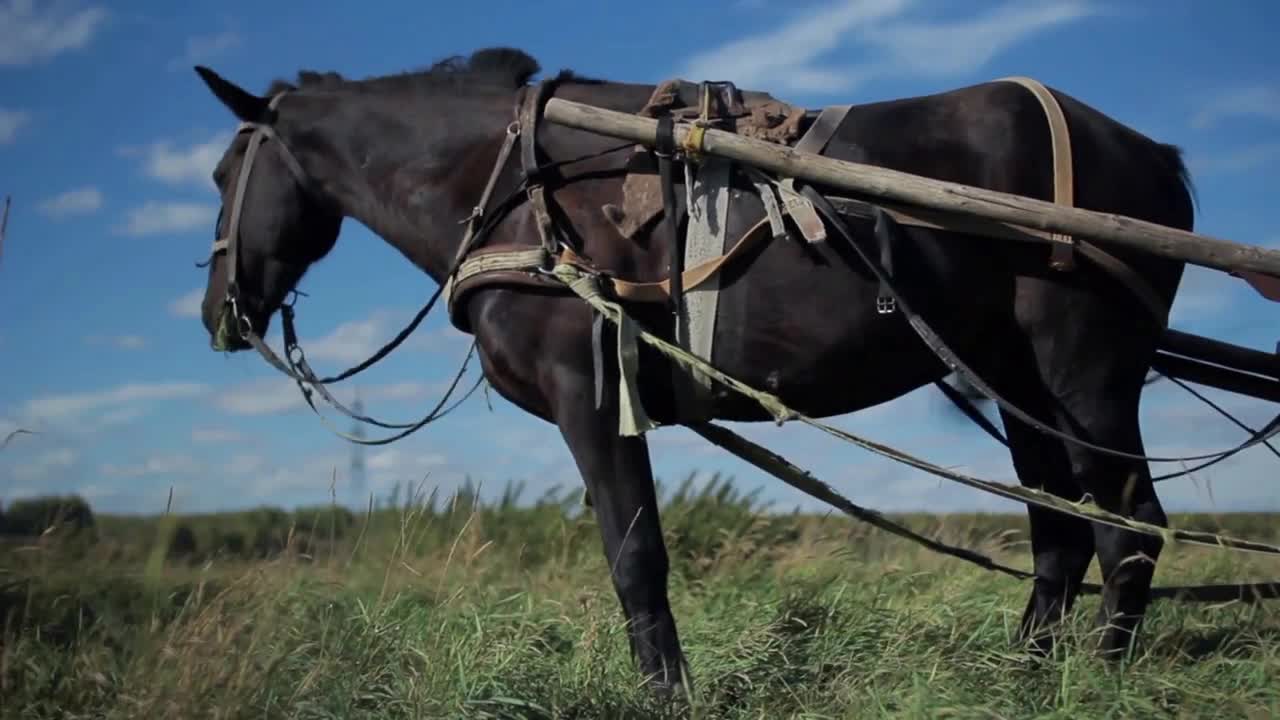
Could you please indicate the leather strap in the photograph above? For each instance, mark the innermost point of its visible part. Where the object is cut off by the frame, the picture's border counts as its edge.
(823, 129)
(1063, 173)
(660, 291)
(529, 114)
(814, 141)
(664, 149)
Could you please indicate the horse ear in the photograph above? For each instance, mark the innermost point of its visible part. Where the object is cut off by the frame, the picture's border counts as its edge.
(246, 106)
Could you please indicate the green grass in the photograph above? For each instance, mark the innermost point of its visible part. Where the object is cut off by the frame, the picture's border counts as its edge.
(450, 609)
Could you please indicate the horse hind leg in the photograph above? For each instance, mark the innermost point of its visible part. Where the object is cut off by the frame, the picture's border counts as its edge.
(1061, 546)
(1127, 559)
(1094, 370)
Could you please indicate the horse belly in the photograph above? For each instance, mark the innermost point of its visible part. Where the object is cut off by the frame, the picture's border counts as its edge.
(818, 344)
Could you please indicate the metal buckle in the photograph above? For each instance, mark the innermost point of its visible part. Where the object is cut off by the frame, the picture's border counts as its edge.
(886, 305)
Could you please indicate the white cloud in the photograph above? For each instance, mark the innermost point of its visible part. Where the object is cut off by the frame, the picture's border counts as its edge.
(45, 464)
(393, 460)
(953, 48)
(164, 464)
(350, 342)
(245, 464)
(783, 58)
(202, 48)
(192, 164)
(155, 218)
(123, 342)
(788, 59)
(1238, 160)
(275, 395)
(401, 391)
(1253, 101)
(414, 465)
(188, 305)
(28, 35)
(119, 416)
(80, 201)
(446, 338)
(418, 470)
(266, 396)
(71, 406)
(214, 436)
(355, 340)
(10, 122)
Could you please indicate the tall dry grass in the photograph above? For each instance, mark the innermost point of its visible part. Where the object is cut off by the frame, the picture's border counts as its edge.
(448, 607)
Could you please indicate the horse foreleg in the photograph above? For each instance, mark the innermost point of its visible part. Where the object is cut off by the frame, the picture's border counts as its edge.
(617, 473)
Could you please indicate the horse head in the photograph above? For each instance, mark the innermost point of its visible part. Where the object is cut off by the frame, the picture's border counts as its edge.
(273, 224)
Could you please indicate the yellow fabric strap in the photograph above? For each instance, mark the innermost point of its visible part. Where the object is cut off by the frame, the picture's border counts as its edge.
(632, 419)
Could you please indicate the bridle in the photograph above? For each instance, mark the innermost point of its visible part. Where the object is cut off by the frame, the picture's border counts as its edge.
(229, 243)
(294, 363)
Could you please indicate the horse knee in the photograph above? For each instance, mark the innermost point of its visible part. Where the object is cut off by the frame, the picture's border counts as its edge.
(640, 572)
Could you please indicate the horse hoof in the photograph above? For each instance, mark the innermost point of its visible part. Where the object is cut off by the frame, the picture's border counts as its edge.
(1039, 645)
(1115, 645)
(1119, 633)
(670, 690)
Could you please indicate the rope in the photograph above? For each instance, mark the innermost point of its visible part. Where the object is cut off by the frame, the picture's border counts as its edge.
(573, 277)
(804, 481)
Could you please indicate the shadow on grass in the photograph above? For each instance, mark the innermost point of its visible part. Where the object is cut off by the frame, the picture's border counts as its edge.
(1238, 642)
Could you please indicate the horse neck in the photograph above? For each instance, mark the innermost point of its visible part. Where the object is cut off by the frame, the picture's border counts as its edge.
(412, 168)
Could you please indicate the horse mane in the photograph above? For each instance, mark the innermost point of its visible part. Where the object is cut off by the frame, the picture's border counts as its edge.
(502, 68)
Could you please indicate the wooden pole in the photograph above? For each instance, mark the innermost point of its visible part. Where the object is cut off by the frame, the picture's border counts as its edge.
(1214, 376)
(1221, 353)
(944, 196)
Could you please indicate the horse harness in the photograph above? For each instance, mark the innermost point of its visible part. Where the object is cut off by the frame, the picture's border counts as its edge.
(719, 105)
(475, 267)
(521, 264)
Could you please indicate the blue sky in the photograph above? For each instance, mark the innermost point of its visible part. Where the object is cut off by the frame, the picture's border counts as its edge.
(107, 139)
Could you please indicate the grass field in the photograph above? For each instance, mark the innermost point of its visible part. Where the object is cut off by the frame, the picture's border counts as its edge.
(443, 608)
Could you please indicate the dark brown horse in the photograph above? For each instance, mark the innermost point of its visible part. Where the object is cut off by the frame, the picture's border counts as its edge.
(409, 156)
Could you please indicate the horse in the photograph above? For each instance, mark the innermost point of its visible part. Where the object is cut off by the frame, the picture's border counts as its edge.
(411, 155)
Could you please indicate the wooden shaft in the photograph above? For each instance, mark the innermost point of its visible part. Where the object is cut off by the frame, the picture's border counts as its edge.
(1221, 353)
(1201, 373)
(916, 190)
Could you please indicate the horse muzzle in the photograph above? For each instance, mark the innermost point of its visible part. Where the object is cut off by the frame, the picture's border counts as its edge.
(229, 333)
